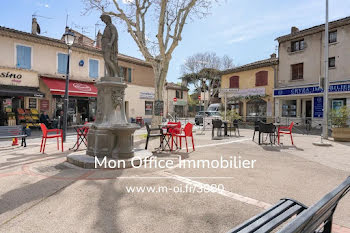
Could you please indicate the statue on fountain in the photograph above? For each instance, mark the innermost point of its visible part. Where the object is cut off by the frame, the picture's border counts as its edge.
(109, 46)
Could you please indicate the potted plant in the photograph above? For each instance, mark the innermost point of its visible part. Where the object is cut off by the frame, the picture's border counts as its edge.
(231, 115)
(340, 128)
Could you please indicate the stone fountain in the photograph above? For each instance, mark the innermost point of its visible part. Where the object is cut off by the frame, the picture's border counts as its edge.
(111, 135)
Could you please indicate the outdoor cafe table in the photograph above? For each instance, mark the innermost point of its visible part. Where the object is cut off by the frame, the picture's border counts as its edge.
(165, 130)
(81, 131)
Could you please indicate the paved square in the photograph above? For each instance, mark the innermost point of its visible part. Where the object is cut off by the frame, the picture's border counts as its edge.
(41, 193)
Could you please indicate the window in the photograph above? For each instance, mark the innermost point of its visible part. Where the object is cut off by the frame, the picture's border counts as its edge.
(122, 72)
(24, 57)
(332, 37)
(148, 107)
(126, 73)
(129, 75)
(234, 82)
(179, 94)
(261, 78)
(62, 60)
(331, 62)
(298, 45)
(93, 68)
(297, 71)
(289, 108)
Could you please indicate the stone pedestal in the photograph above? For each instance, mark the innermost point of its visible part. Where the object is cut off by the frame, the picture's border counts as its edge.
(111, 135)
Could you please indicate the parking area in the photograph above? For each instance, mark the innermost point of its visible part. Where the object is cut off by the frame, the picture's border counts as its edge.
(42, 192)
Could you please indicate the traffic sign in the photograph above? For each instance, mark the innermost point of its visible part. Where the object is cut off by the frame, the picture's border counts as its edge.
(175, 99)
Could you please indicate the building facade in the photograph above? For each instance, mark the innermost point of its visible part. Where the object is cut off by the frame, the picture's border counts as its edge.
(298, 95)
(248, 89)
(33, 72)
(175, 100)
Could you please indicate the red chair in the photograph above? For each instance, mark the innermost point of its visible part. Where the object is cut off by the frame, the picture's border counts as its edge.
(187, 132)
(59, 134)
(173, 128)
(286, 130)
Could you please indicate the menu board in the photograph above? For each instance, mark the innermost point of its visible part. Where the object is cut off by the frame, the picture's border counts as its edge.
(32, 103)
(158, 108)
(44, 105)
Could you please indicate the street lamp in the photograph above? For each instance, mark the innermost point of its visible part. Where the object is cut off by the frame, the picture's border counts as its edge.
(69, 40)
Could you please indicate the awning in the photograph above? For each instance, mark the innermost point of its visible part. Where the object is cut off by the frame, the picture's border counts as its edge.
(57, 87)
(7, 90)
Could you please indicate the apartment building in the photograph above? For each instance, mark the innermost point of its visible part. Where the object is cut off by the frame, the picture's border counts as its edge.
(33, 72)
(248, 89)
(301, 65)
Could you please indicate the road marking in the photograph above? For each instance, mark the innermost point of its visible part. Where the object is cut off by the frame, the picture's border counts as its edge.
(222, 143)
(222, 192)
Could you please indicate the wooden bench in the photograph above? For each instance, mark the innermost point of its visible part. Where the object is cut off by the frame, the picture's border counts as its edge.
(312, 219)
(15, 131)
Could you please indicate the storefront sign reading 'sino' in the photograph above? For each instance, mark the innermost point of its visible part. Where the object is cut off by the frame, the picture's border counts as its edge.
(14, 77)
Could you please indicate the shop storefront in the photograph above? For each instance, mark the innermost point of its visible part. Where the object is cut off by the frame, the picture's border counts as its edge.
(302, 104)
(250, 103)
(82, 99)
(19, 97)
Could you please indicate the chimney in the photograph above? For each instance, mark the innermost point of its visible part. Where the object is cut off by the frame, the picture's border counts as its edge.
(35, 26)
(273, 55)
(99, 39)
(294, 30)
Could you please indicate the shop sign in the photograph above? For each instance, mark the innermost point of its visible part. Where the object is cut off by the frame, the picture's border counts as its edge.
(311, 90)
(234, 92)
(82, 87)
(146, 95)
(181, 102)
(32, 103)
(158, 108)
(44, 105)
(318, 106)
(13, 76)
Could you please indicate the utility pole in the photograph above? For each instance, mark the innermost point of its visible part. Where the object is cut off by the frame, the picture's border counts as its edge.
(326, 82)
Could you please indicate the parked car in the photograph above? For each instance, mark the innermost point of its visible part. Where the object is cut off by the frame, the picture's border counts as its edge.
(209, 116)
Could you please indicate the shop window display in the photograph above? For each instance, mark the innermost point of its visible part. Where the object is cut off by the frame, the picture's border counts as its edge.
(256, 108)
(289, 108)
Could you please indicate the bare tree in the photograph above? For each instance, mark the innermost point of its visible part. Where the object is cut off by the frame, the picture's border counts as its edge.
(165, 19)
(202, 70)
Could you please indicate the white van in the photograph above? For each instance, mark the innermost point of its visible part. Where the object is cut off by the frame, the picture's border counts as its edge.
(214, 108)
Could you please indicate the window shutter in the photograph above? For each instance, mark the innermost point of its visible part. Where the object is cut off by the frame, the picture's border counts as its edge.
(234, 82)
(129, 75)
(24, 57)
(62, 63)
(261, 78)
(93, 68)
(20, 56)
(28, 57)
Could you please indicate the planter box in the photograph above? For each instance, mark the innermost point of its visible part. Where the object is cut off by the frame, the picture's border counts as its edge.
(341, 134)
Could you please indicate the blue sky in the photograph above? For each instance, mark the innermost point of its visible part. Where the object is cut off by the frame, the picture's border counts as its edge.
(244, 30)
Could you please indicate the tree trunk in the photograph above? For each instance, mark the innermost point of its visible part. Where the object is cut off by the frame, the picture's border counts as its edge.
(160, 69)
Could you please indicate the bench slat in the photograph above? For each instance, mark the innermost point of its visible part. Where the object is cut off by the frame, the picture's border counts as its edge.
(14, 136)
(15, 131)
(312, 218)
(267, 217)
(258, 221)
(275, 222)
